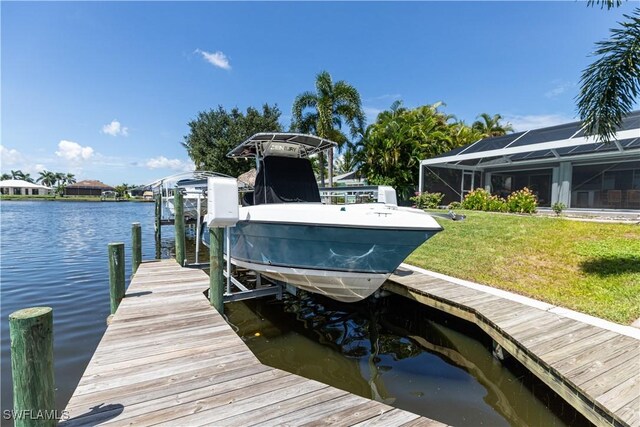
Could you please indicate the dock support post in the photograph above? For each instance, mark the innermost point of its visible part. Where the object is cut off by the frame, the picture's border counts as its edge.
(216, 264)
(136, 246)
(116, 274)
(31, 335)
(158, 215)
(178, 221)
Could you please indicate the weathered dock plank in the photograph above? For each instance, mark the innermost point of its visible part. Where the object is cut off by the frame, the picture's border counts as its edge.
(169, 358)
(594, 367)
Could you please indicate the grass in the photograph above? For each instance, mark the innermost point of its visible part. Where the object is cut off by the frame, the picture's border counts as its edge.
(589, 267)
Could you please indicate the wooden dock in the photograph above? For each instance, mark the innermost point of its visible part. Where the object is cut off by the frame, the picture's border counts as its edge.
(169, 358)
(594, 365)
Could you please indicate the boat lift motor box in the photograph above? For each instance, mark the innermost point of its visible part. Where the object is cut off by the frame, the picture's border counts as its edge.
(222, 202)
(387, 195)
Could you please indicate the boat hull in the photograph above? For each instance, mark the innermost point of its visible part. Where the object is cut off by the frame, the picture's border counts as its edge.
(343, 263)
(343, 252)
(339, 285)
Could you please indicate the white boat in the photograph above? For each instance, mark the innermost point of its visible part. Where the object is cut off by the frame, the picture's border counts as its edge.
(193, 186)
(284, 231)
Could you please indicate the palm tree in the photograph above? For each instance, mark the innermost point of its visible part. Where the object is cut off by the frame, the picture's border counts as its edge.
(17, 174)
(325, 110)
(70, 178)
(491, 126)
(5, 176)
(348, 161)
(61, 182)
(610, 85)
(394, 145)
(47, 178)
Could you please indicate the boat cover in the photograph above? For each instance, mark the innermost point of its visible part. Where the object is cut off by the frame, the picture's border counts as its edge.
(285, 180)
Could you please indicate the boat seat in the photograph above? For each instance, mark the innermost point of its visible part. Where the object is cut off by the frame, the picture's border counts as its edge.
(285, 180)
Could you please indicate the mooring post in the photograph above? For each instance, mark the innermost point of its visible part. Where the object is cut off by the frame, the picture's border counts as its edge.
(178, 222)
(116, 274)
(158, 223)
(31, 335)
(136, 246)
(216, 265)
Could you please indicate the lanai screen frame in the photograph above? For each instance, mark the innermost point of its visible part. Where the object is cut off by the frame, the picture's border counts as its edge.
(626, 143)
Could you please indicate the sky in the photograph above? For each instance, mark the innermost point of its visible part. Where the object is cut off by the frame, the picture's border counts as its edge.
(105, 90)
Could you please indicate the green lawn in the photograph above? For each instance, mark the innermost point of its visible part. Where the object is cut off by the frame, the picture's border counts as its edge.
(590, 267)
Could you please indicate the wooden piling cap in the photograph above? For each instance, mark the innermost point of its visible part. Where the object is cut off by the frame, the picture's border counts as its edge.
(31, 312)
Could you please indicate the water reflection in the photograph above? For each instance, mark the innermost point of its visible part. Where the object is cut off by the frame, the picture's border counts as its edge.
(401, 353)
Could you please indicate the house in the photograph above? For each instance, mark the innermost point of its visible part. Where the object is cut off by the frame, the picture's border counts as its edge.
(559, 164)
(87, 188)
(18, 187)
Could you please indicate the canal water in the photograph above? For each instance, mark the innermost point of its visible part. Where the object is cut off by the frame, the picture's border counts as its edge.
(393, 350)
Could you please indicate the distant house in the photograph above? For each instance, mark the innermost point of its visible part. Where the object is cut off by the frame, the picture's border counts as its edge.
(18, 187)
(559, 164)
(87, 188)
(349, 179)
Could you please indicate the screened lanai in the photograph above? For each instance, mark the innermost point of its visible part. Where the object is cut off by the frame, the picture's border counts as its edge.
(558, 163)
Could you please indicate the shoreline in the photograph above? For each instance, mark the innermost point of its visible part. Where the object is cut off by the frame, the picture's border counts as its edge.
(68, 199)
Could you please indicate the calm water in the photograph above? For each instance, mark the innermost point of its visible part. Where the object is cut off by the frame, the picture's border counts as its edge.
(393, 350)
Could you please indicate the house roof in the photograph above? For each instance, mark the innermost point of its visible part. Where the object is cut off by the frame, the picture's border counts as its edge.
(92, 184)
(18, 183)
(550, 143)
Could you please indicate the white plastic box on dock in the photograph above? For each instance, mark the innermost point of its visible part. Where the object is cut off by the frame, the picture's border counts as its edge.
(222, 202)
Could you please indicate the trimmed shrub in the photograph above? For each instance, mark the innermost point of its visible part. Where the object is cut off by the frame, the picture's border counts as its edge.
(522, 201)
(497, 204)
(481, 200)
(427, 200)
(454, 205)
(476, 200)
(558, 207)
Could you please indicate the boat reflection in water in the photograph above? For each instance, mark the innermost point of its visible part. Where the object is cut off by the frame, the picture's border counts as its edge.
(401, 353)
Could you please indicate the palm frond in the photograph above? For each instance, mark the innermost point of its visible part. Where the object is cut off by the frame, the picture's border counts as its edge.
(610, 85)
(609, 4)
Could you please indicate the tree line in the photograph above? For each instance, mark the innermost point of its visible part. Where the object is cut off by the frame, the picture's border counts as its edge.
(385, 152)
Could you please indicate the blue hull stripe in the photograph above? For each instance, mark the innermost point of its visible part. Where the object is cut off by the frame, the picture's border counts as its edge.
(322, 247)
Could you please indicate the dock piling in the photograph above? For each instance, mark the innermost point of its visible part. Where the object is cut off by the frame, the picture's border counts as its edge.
(116, 274)
(158, 223)
(216, 264)
(136, 246)
(179, 227)
(31, 335)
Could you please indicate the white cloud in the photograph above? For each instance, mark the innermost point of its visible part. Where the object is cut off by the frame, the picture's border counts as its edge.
(162, 162)
(115, 128)
(9, 156)
(73, 151)
(532, 121)
(217, 59)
